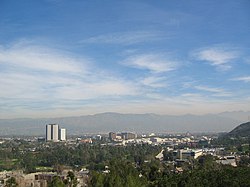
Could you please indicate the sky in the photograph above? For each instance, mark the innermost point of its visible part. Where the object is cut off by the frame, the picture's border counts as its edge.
(70, 58)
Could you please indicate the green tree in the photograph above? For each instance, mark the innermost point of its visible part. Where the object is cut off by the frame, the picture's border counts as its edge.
(72, 180)
(56, 182)
(97, 179)
(11, 182)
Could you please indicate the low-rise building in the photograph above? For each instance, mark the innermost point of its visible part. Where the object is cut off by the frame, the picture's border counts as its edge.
(187, 153)
(227, 160)
(128, 135)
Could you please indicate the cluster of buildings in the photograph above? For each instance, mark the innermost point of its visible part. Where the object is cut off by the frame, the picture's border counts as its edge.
(152, 139)
(54, 133)
(183, 148)
(122, 136)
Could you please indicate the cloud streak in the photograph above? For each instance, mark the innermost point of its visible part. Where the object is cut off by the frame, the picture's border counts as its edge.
(221, 58)
(40, 58)
(244, 79)
(40, 73)
(152, 62)
(125, 38)
(217, 92)
(209, 89)
(154, 81)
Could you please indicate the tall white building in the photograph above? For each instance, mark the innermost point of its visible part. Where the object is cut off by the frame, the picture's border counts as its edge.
(62, 134)
(52, 133)
(55, 131)
(48, 132)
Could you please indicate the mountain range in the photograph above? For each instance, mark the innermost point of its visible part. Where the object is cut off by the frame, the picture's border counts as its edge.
(139, 123)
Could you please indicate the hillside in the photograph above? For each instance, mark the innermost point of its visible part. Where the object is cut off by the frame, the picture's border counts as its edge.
(241, 130)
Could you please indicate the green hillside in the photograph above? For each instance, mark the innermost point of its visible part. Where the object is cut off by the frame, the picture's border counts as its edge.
(241, 130)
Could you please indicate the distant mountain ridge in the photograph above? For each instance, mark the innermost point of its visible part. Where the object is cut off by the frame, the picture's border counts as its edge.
(106, 122)
(237, 115)
(242, 130)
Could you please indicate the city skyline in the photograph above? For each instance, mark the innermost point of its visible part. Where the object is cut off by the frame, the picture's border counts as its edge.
(60, 58)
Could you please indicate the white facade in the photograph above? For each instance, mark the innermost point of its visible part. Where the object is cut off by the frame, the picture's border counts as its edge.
(63, 134)
(48, 133)
(55, 131)
(188, 153)
(52, 132)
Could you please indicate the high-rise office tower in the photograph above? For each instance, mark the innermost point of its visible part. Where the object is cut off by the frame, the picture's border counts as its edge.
(55, 132)
(52, 132)
(48, 132)
(62, 134)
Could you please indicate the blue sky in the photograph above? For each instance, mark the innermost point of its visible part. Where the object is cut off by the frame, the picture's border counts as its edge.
(64, 58)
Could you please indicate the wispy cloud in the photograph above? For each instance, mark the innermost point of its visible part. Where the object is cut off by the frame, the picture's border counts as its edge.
(97, 90)
(40, 73)
(217, 56)
(126, 38)
(154, 81)
(218, 92)
(155, 63)
(34, 57)
(244, 79)
(191, 96)
(209, 89)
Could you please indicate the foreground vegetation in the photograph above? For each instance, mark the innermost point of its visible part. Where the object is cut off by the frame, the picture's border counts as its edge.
(124, 174)
(130, 166)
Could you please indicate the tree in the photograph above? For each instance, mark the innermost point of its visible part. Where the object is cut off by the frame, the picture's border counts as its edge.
(72, 180)
(11, 182)
(56, 182)
(97, 179)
